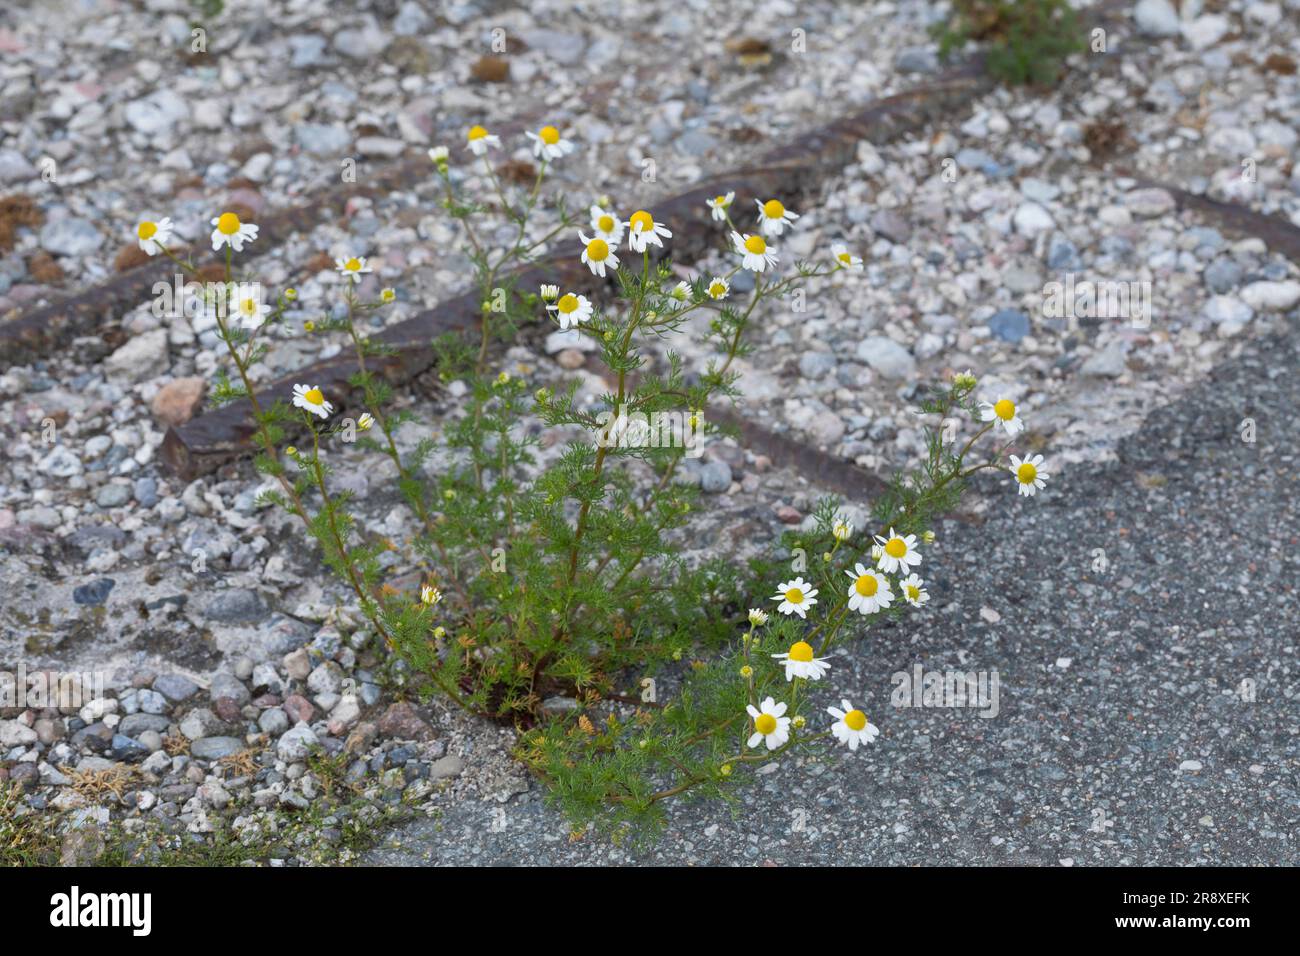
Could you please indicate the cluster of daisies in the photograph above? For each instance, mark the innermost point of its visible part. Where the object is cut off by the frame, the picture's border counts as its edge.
(870, 590)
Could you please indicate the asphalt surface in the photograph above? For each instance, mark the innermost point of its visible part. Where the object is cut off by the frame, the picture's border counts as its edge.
(1124, 733)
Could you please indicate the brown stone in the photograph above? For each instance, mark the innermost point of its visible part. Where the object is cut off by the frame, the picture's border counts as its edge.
(129, 257)
(490, 69)
(299, 709)
(403, 721)
(44, 269)
(178, 400)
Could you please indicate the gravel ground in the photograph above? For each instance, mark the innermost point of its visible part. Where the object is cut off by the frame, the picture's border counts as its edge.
(1124, 735)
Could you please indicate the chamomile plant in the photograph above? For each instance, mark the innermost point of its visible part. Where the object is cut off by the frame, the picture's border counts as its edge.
(528, 578)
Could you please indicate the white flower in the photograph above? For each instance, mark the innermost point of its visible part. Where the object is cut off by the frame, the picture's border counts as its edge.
(430, 595)
(153, 236)
(597, 254)
(1003, 410)
(897, 553)
(312, 399)
(869, 591)
(571, 310)
(774, 217)
(913, 590)
(851, 726)
(799, 662)
(769, 726)
(479, 141)
(796, 597)
(244, 301)
(681, 292)
(1029, 474)
(606, 225)
(643, 231)
(365, 422)
(842, 528)
(550, 293)
(720, 205)
(718, 288)
(845, 258)
(757, 617)
(352, 268)
(231, 232)
(548, 144)
(755, 253)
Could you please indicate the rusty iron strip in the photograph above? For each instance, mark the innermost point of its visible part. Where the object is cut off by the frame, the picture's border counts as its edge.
(208, 441)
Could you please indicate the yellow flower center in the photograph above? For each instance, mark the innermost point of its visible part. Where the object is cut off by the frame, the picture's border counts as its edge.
(549, 135)
(597, 250)
(913, 592)
(794, 596)
(249, 306)
(773, 209)
(720, 200)
(1026, 473)
(1005, 409)
(801, 651)
(756, 244)
(717, 289)
(641, 221)
(895, 547)
(568, 303)
(605, 223)
(866, 585)
(228, 224)
(352, 265)
(845, 258)
(765, 724)
(476, 132)
(146, 230)
(855, 720)
(315, 396)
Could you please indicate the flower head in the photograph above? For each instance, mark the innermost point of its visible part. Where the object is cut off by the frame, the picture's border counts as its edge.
(897, 553)
(606, 225)
(549, 144)
(430, 595)
(245, 303)
(352, 268)
(756, 255)
(439, 156)
(851, 726)
(598, 255)
(773, 217)
(799, 662)
(154, 236)
(229, 231)
(964, 379)
(869, 591)
(365, 422)
(1029, 474)
(571, 310)
(719, 205)
(718, 288)
(550, 293)
(681, 292)
(480, 140)
(796, 597)
(845, 259)
(770, 726)
(312, 399)
(757, 617)
(913, 590)
(842, 528)
(643, 231)
(387, 295)
(1003, 411)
